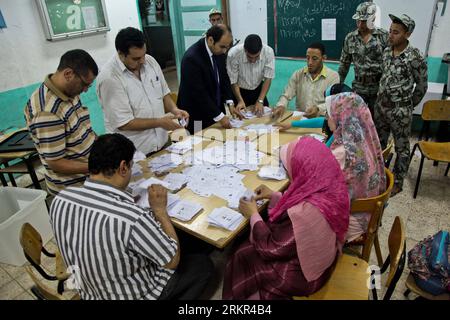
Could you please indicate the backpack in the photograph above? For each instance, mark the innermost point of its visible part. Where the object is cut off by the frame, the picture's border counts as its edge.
(428, 262)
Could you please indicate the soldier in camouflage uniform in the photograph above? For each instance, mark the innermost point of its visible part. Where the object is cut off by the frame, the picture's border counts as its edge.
(403, 66)
(364, 47)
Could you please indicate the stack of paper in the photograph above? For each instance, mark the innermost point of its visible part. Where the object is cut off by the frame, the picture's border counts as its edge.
(143, 200)
(269, 172)
(165, 163)
(184, 210)
(298, 114)
(185, 145)
(138, 156)
(316, 136)
(248, 114)
(176, 181)
(225, 218)
(136, 170)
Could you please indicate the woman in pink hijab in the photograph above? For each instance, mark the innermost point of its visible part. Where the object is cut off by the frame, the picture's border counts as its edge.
(357, 149)
(292, 253)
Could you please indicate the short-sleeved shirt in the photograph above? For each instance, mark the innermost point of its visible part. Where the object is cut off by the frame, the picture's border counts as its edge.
(118, 249)
(367, 59)
(249, 75)
(405, 79)
(61, 129)
(124, 97)
(308, 91)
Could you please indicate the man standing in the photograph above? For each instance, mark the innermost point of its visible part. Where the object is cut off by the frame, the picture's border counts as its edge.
(118, 250)
(205, 85)
(402, 86)
(135, 96)
(215, 17)
(308, 84)
(364, 47)
(251, 68)
(59, 124)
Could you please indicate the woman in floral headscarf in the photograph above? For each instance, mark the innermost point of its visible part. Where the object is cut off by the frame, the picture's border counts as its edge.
(357, 149)
(293, 253)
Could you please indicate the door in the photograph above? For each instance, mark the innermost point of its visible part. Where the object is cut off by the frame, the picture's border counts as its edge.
(189, 20)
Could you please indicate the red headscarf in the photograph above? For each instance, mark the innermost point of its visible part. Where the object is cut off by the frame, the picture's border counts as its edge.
(315, 178)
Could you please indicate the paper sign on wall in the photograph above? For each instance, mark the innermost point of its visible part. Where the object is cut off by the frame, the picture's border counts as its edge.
(328, 29)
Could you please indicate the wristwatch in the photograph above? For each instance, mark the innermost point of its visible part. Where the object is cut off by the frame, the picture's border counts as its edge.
(261, 101)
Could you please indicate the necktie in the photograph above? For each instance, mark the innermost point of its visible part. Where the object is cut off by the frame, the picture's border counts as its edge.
(216, 77)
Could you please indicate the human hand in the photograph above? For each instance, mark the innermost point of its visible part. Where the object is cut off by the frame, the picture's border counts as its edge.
(311, 112)
(225, 122)
(167, 123)
(278, 112)
(263, 192)
(236, 111)
(182, 114)
(157, 198)
(248, 207)
(283, 126)
(259, 109)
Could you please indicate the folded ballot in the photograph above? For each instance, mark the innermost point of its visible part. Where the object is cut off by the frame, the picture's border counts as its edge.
(224, 217)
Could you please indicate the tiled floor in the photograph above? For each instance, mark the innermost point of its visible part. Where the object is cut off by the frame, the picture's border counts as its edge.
(422, 216)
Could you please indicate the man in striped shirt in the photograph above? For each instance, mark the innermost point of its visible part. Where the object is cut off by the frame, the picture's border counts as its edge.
(115, 249)
(58, 122)
(251, 68)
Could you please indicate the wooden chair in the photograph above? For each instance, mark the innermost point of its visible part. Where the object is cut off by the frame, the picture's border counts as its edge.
(433, 110)
(349, 280)
(375, 206)
(387, 154)
(412, 286)
(31, 242)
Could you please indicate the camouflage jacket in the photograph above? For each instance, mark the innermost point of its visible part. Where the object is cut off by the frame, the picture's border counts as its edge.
(400, 73)
(366, 58)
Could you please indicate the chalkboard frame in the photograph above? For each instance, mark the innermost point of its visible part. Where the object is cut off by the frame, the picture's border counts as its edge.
(52, 35)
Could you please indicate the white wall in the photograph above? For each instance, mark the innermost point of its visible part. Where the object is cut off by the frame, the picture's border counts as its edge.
(440, 38)
(26, 55)
(247, 17)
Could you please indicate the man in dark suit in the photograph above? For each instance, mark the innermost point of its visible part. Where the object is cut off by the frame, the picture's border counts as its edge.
(205, 86)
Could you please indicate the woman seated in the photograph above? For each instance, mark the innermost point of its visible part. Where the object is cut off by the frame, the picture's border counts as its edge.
(357, 149)
(294, 251)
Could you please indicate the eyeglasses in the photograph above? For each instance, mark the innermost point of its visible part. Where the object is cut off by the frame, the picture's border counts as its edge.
(83, 82)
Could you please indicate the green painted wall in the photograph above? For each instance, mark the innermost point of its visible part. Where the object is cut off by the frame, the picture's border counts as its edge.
(12, 102)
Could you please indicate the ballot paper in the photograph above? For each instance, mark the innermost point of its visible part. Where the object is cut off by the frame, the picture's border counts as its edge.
(225, 218)
(185, 145)
(143, 200)
(269, 172)
(148, 182)
(165, 163)
(136, 170)
(261, 128)
(236, 123)
(176, 181)
(182, 122)
(298, 114)
(248, 114)
(184, 210)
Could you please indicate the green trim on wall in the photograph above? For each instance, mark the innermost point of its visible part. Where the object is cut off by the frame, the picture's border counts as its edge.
(139, 16)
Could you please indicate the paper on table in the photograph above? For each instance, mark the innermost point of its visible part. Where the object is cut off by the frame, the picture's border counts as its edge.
(226, 218)
(316, 136)
(176, 181)
(236, 123)
(268, 172)
(138, 156)
(184, 210)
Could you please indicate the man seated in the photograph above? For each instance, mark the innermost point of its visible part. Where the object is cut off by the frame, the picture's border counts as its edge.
(251, 68)
(135, 96)
(117, 250)
(308, 84)
(59, 123)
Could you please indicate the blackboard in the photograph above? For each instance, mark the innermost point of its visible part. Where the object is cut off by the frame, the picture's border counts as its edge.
(70, 18)
(294, 24)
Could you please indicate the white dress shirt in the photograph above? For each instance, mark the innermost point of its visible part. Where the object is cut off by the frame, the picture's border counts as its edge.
(249, 75)
(124, 97)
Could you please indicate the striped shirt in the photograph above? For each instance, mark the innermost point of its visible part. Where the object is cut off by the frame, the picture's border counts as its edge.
(61, 129)
(117, 248)
(308, 91)
(246, 74)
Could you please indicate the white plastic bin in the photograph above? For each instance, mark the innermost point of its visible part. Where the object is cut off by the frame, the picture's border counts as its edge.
(17, 206)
